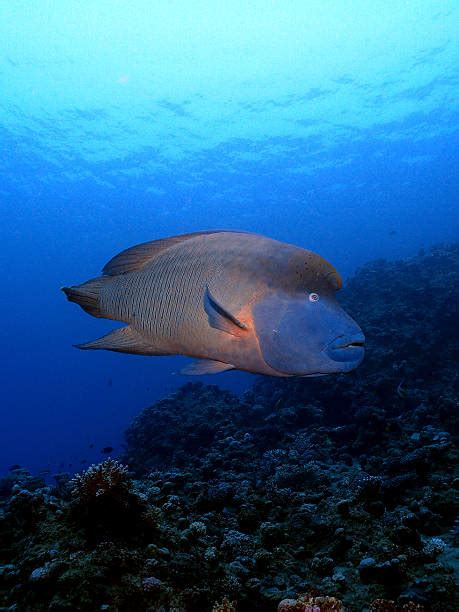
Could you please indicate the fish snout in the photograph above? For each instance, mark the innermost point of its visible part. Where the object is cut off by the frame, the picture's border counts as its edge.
(347, 347)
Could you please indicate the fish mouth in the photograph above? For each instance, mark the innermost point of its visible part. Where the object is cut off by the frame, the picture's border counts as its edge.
(349, 349)
(352, 344)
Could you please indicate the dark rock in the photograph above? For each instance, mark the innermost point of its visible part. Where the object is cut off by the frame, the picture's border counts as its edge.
(407, 537)
(367, 570)
(323, 566)
(343, 507)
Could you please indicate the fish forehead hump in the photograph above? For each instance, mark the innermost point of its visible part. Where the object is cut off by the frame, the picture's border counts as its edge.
(252, 257)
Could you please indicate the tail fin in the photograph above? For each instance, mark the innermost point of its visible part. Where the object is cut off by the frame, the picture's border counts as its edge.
(87, 295)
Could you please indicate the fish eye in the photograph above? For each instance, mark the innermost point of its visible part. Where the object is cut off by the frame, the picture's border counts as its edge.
(313, 297)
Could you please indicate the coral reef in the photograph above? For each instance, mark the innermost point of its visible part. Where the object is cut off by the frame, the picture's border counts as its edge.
(105, 503)
(344, 487)
(311, 603)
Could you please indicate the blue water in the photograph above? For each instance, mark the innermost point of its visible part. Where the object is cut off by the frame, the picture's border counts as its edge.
(331, 125)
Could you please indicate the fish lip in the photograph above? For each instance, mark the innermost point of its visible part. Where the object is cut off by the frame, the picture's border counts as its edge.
(346, 348)
(343, 342)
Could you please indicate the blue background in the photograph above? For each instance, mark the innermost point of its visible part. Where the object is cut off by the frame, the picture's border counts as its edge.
(331, 125)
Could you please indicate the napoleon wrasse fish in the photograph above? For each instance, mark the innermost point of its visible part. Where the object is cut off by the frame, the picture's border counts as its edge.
(232, 299)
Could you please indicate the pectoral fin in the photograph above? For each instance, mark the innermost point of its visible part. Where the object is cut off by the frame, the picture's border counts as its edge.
(122, 340)
(220, 318)
(206, 366)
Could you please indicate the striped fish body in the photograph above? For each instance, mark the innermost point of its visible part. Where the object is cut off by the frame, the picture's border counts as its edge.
(164, 302)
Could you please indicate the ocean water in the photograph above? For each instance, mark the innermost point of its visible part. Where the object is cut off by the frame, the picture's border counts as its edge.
(326, 124)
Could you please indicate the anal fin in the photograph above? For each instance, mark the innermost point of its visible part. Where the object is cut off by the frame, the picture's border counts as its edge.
(122, 340)
(206, 366)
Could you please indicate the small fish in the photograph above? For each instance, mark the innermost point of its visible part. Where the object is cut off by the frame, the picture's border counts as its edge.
(91, 445)
(106, 450)
(401, 391)
(232, 299)
(15, 466)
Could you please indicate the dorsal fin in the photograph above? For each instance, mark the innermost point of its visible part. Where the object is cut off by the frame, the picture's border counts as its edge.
(136, 257)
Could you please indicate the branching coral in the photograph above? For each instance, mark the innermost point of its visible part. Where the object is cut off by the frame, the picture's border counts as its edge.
(311, 603)
(225, 606)
(104, 501)
(107, 478)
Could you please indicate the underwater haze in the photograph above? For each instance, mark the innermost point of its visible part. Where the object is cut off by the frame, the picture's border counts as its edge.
(329, 125)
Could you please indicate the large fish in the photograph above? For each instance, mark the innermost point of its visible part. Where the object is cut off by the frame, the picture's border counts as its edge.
(232, 299)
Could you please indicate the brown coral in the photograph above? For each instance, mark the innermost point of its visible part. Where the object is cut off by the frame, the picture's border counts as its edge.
(225, 606)
(105, 502)
(104, 478)
(311, 603)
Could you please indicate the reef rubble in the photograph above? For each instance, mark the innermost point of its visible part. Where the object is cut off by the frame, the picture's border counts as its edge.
(337, 493)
